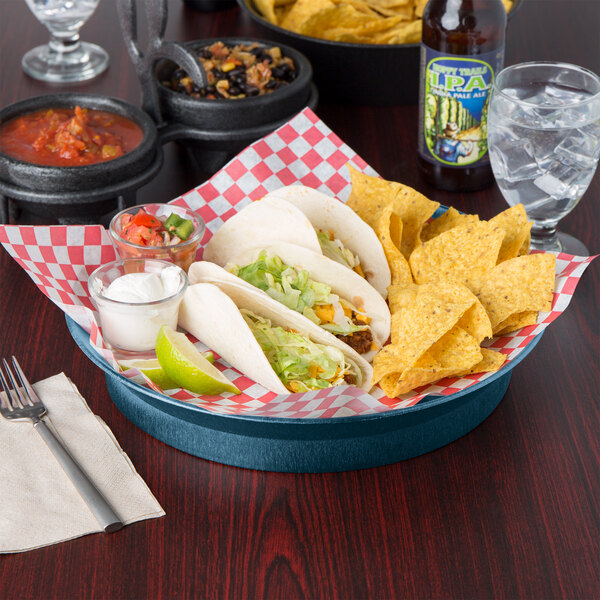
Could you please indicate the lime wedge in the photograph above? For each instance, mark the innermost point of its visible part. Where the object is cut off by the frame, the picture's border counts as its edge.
(151, 368)
(209, 356)
(187, 367)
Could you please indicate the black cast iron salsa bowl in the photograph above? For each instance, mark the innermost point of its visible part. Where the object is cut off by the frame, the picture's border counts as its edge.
(85, 177)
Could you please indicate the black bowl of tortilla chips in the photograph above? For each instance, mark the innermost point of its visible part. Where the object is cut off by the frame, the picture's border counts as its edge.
(378, 68)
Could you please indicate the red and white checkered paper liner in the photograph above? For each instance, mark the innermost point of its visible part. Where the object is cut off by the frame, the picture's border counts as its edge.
(60, 259)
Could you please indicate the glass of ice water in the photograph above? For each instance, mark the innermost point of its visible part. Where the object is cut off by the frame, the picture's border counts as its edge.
(544, 143)
(64, 58)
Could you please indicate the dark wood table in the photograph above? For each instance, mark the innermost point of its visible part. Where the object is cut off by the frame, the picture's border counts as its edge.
(508, 511)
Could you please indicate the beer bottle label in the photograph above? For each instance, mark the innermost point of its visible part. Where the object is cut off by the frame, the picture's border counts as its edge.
(453, 106)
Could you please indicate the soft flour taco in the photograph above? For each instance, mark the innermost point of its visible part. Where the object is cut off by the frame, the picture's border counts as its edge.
(260, 222)
(342, 234)
(267, 342)
(321, 290)
(302, 216)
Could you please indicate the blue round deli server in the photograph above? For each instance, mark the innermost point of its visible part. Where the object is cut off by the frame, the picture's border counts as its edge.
(303, 445)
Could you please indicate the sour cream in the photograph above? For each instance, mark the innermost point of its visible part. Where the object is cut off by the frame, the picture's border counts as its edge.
(144, 287)
(133, 306)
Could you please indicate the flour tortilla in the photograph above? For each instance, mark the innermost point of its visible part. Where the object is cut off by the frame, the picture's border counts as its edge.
(263, 221)
(343, 281)
(211, 313)
(330, 214)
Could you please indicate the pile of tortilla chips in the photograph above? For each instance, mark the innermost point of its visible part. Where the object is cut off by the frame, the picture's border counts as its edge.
(353, 21)
(456, 280)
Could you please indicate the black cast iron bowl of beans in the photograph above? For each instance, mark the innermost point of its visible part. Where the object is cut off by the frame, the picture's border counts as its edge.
(245, 113)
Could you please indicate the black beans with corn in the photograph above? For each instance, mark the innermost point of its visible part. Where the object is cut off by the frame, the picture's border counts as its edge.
(241, 71)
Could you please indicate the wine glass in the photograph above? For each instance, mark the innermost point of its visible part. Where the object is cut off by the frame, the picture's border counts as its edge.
(544, 143)
(64, 59)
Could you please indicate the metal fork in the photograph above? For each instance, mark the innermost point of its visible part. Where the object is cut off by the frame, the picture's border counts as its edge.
(23, 403)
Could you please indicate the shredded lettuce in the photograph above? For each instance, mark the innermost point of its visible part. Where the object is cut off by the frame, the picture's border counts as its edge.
(334, 249)
(295, 289)
(300, 363)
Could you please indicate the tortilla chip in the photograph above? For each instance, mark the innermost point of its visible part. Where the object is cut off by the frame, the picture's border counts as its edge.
(389, 231)
(301, 11)
(370, 195)
(517, 321)
(382, 24)
(476, 322)
(345, 22)
(400, 296)
(281, 12)
(405, 12)
(491, 361)
(525, 247)
(335, 17)
(451, 218)
(423, 315)
(517, 230)
(455, 352)
(346, 36)
(414, 209)
(390, 359)
(267, 10)
(387, 4)
(525, 283)
(419, 8)
(408, 33)
(463, 254)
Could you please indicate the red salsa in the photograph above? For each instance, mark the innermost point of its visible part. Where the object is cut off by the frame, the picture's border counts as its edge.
(139, 234)
(66, 137)
(145, 229)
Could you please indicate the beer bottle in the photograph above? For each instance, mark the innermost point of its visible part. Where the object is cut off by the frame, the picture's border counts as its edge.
(462, 49)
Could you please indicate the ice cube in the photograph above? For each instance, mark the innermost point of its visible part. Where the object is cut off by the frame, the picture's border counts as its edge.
(572, 117)
(514, 160)
(544, 146)
(551, 185)
(560, 94)
(579, 148)
(542, 97)
(518, 93)
(593, 129)
(540, 117)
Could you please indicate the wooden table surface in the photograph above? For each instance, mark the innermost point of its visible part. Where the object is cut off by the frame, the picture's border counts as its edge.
(508, 511)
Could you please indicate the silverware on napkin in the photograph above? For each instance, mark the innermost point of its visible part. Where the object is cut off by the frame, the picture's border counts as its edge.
(21, 402)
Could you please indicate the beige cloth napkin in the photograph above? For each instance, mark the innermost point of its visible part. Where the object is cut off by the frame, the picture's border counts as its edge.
(39, 505)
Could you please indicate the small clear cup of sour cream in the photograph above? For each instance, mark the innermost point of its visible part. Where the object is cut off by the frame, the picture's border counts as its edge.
(134, 298)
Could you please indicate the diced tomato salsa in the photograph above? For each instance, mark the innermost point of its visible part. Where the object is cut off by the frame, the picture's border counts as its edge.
(145, 229)
(66, 137)
(139, 234)
(142, 229)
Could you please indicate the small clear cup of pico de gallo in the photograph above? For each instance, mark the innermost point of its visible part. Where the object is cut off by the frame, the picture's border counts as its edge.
(159, 231)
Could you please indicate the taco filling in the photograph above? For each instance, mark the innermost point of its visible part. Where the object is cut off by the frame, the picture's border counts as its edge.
(295, 289)
(334, 249)
(300, 364)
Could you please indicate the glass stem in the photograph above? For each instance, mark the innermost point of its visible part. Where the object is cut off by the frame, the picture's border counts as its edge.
(64, 44)
(544, 237)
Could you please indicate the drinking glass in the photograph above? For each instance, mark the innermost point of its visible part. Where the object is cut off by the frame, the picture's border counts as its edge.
(64, 59)
(544, 142)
